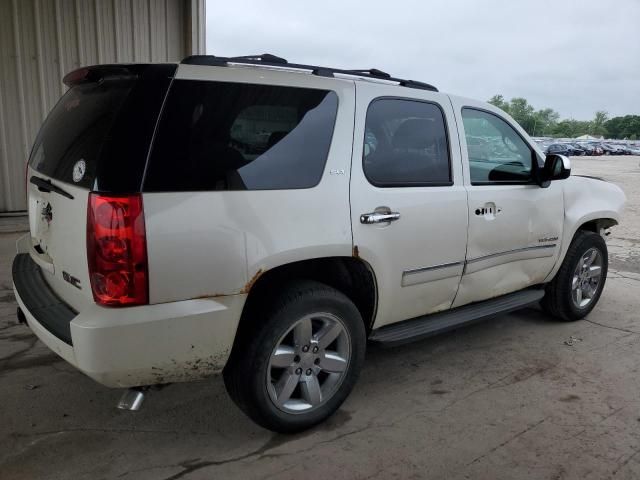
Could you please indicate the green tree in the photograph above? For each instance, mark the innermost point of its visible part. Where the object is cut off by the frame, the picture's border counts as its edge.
(571, 128)
(499, 101)
(598, 123)
(623, 127)
(544, 121)
(523, 113)
(540, 122)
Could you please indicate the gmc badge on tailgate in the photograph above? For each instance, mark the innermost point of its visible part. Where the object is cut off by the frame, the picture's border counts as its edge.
(71, 279)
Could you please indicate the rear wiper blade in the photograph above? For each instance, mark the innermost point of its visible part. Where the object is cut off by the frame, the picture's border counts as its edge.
(46, 186)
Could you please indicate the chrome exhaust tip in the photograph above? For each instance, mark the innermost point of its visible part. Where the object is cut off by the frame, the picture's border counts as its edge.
(132, 399)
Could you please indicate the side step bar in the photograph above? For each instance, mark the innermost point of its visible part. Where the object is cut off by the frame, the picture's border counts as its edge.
(428, 325)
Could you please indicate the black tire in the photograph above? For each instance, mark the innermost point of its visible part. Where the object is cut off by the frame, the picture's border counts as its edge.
(558, 300)
(247, 371)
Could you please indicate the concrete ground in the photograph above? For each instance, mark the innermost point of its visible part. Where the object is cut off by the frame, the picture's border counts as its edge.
(518, 397)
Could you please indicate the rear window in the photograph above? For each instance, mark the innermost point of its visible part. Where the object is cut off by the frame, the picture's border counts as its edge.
(237, 136)
(76, 131)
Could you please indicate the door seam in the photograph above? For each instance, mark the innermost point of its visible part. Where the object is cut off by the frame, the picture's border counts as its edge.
(466, 192)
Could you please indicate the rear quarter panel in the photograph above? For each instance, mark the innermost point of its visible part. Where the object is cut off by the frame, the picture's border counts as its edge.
(207, 244)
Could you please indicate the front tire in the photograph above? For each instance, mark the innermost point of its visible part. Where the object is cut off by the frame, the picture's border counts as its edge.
(297, 363)
(577, 286)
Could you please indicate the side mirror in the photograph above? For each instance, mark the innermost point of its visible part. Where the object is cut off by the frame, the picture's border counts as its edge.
(556, 167)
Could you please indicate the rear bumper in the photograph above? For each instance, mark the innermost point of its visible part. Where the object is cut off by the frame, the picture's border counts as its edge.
(52, 313)
(126, 347)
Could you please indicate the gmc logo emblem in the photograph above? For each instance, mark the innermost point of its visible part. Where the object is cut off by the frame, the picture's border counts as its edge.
(71, 279)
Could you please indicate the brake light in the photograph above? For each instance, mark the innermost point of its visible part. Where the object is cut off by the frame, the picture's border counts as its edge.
(117, 250)
(75, 77)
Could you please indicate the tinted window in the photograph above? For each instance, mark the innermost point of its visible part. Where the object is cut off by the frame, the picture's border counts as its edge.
(497, 154)
(77, 129)
(236, 136)
(405, 144)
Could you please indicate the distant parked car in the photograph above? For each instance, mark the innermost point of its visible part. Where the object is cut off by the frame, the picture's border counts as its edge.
(590, 149)
(608, 149)
(597, 149)
(626, 149)
(616, 149)
(558, 149)
(575, 149)
(580, 147)
(633, 149)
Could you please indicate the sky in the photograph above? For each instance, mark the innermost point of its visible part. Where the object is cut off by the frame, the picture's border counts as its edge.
(576, 57)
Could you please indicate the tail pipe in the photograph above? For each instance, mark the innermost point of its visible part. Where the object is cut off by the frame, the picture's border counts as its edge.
(132, 399)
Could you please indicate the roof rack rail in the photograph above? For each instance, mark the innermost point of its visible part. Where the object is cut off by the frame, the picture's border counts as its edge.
(269, 60)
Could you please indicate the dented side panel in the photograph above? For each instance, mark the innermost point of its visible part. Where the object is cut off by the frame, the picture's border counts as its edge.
(515, 231)
(515, 248)
(587, 199)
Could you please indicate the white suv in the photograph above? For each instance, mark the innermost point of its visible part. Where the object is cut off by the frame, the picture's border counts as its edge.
(265, 219)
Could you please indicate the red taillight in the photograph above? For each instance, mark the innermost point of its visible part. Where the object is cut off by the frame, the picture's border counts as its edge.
(117, 250)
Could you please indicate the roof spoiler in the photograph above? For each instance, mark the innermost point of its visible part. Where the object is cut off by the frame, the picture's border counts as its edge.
(98, 73)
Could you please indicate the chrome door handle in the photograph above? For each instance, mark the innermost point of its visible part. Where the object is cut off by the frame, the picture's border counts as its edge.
(377, 217)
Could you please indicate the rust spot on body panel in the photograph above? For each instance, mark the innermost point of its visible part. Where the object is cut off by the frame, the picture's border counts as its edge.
(355, 252)
(175, 371)
(252, 282)
(209, 295)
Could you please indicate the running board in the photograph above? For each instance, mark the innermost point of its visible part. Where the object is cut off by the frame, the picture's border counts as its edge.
(428, 325)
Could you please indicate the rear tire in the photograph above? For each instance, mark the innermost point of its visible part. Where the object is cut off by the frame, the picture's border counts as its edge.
(576, 288)
(294, 366)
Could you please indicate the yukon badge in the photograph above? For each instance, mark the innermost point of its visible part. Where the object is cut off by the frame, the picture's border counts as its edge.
(79, 170)
(547, 239)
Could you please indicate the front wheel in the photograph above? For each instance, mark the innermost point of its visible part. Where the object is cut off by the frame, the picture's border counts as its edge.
(299, 362)
(577, 286)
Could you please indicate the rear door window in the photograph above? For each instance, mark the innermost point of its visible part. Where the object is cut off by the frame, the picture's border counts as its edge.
(405, 144)
(238, 136)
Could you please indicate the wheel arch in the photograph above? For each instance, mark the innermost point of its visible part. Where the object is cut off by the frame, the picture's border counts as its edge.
(596, 225)
(596, 222)
(350, 275)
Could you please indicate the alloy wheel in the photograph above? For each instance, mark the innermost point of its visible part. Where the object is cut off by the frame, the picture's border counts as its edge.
(587, 278)
(308, 363)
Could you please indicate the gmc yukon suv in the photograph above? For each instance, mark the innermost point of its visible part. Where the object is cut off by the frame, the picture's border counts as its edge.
(266, 220)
